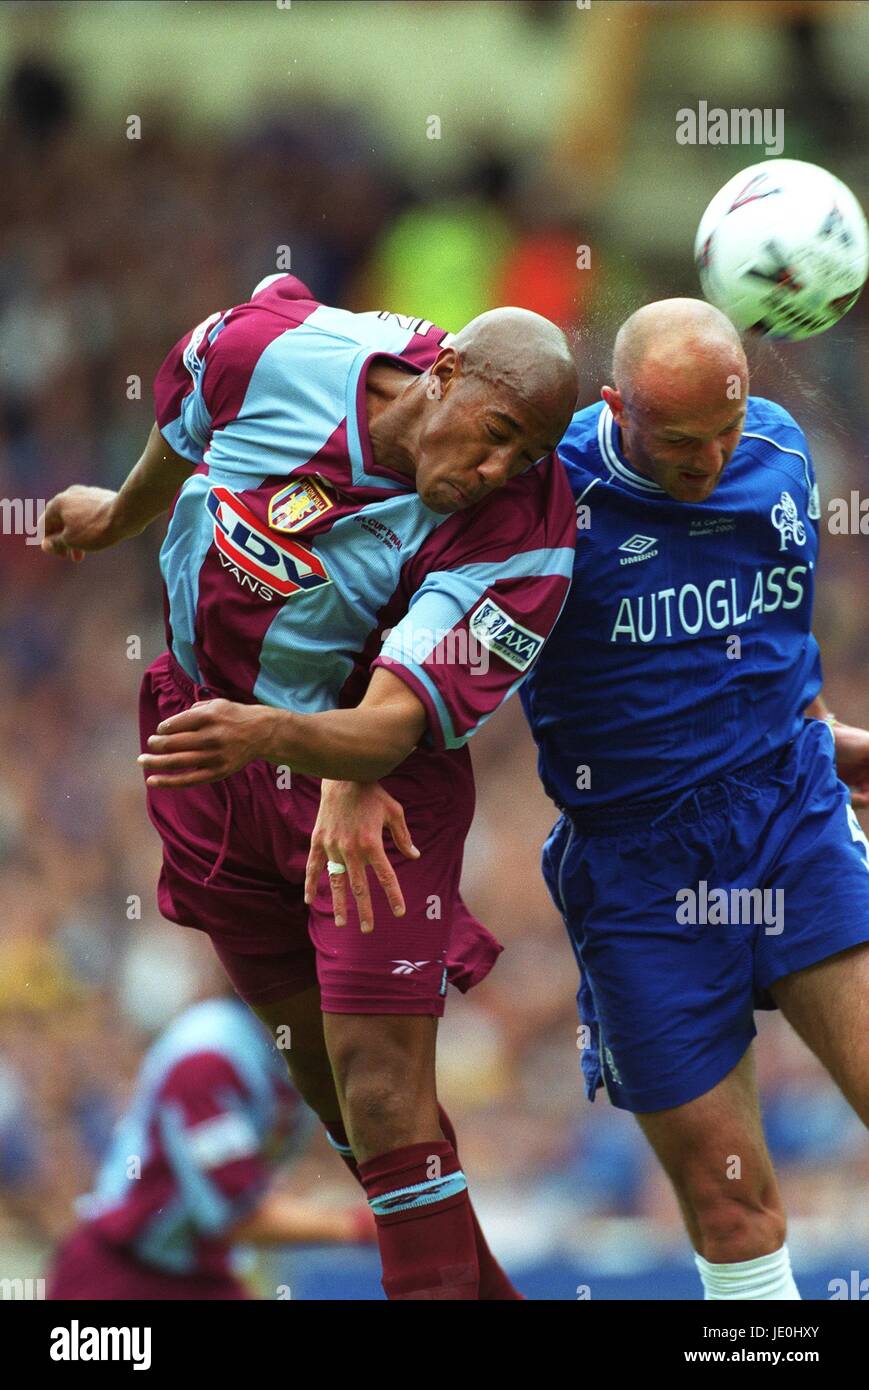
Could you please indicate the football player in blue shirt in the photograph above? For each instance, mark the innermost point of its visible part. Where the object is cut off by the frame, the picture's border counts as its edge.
(708, 861)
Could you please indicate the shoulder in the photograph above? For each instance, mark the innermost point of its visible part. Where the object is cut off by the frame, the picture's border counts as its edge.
(776, 439)
(206, 1046)
(770, 422)
(579, 448)
(201, 1075)
(582, 432)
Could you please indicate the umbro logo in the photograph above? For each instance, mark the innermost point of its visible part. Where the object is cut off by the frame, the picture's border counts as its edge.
(638, 548)
(408, 967)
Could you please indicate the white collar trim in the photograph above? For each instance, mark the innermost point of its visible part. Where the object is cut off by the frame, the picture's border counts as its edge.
(609, 454)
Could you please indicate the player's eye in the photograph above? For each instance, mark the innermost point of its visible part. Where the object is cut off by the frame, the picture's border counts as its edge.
(494, 434)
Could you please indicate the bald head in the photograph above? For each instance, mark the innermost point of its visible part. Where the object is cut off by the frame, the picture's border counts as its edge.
(676, 348)
(680, 391)
(526, 354)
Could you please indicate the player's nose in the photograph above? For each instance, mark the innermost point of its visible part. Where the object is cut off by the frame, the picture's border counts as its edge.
(494, 470)
(711, 458)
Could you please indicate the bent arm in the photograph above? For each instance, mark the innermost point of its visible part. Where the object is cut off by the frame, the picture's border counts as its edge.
(151, 486)
(353, 745)
(278, 1219)
(217, 737)
(84, 519)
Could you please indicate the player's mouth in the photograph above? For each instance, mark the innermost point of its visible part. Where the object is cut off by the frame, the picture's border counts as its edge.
(456, 493)
(697, 481)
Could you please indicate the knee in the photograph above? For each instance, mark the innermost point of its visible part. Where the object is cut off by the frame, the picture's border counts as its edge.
(387, 1095)
(736, 1224)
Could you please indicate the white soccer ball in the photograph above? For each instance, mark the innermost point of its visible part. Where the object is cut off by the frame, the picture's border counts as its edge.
(783, 249)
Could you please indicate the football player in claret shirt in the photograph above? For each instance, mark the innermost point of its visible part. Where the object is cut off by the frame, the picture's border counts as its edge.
(189, 1174)
(708, 861)
(371, 539)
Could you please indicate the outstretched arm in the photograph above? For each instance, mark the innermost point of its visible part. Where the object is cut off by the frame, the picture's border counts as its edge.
(93, 518)
(279, 1219)
(216, 737)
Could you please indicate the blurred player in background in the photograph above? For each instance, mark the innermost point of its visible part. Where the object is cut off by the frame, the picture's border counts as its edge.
(669, 708)
(189, 1174)
(343, 477)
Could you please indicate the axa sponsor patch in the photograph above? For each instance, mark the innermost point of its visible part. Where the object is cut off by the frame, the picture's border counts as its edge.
(496, 630)
(283, 566)
(298, 505)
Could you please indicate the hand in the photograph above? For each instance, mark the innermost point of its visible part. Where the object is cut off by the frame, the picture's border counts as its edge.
(349, 829)
(207, 742)
(80, 519)
(852, 761)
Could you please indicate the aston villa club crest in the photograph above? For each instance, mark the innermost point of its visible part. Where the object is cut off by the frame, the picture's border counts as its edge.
(296, 506)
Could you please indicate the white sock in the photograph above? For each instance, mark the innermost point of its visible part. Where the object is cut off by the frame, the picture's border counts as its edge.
(767, 1277)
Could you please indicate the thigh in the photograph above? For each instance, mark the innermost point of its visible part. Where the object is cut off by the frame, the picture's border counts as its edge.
(827, 1005)
(666, 1000)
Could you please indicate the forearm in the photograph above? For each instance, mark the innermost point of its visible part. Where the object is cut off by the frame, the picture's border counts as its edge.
(150, 487)
(215, 738)
(345, 745)
(282, 1220)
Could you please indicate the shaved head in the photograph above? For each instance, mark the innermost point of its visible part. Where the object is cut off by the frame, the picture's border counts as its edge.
(525, 353)
(680, 388)
(682, 347)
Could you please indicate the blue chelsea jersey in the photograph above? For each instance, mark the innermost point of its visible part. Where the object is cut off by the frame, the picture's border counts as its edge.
(685, 646)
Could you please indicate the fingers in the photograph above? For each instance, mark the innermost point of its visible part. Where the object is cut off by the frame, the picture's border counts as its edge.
(314, 868)
(193, 718)
(182, 761)
(54, 545)
(338, 885)
(317, 860)
(386, 877)
(185, 741)
(400, 833)
(186, 779)
(359, 888)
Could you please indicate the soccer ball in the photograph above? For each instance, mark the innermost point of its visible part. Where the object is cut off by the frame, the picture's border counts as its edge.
(783, 249)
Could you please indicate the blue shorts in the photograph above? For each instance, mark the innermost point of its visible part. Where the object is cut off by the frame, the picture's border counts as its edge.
(672, 967)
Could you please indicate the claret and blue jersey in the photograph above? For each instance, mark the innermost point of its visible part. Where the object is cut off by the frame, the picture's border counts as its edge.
(293, 563)
(213, 1112)
(685, 646)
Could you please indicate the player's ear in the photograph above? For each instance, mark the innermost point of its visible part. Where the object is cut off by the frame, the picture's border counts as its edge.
(445, 369)
(613, 399)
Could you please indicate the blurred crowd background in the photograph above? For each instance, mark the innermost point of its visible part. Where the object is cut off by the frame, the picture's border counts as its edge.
(433, 159)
